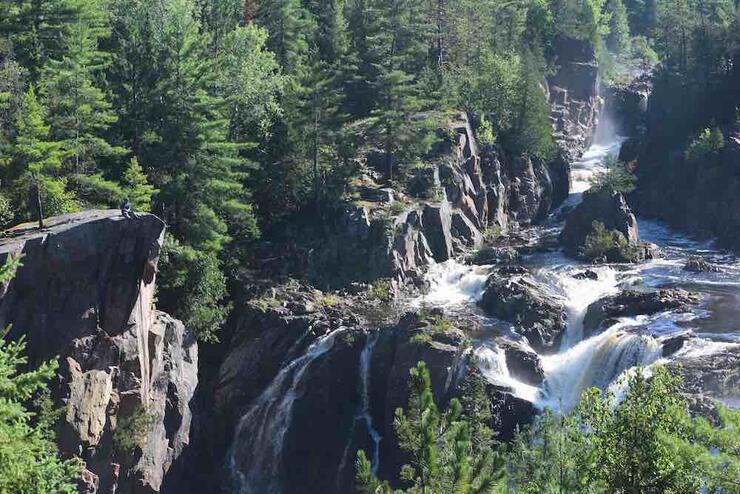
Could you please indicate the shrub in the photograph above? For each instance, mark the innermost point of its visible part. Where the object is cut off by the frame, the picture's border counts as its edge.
(382, 290)
(6, 211)
(608, 245)
(96, 190)
(193, 288)
(615, 178)
(709, 140)
(133, 430)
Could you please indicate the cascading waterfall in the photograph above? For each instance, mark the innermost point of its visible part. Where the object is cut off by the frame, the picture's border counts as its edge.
(595, 362)
(492, 364)
(452, 283)
(255, 456)
(365, 361)
(605, 359)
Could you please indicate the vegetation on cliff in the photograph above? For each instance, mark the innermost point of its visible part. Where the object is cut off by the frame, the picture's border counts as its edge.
(644, 442)
(29, 461)
(230, 119)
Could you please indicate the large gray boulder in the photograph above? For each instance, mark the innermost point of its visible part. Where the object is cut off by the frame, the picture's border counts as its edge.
(85, 295)
(537, 313)
(610, 209)
(632, 303)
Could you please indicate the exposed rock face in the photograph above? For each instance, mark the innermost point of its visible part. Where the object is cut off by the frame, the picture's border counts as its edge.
(523, 363)
(715, 375)
(610, 209)
(536, 312)
(627, 104)
(574, 95)
(464, 190)
(631, 303)
(697, 264)
(85, 294)
(699, 197)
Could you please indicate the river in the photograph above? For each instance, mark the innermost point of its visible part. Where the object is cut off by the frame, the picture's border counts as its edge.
(603, 359)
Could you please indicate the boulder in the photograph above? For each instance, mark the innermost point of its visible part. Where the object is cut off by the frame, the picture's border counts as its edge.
(674, 343)
(632, 303)
(609, 209)
(523, 363)
(85, 293)
(698, 264)
(494, 255)
(537, 313)
(588, 274)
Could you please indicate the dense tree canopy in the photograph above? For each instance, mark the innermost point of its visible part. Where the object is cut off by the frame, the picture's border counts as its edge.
(227, 118)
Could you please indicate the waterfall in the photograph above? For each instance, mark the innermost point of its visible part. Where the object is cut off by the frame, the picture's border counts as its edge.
(492, 364)
(365, 362)
(364, 413)
(259, 436)
(452, 283)
(596, 362)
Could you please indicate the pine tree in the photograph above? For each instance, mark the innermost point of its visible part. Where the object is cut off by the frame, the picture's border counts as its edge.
(444, 455)
(37, 160)
(29, 460)
(79, 111)
(137, 188)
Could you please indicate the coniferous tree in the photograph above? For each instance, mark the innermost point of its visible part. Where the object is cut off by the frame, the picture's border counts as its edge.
(137, 188)
(29, 460)
(447, 451)
(79, 111)
(36, 161)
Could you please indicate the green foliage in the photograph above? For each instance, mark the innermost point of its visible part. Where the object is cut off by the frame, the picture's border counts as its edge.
(618, 39)
(443, 456)
(707, 142)
(133, 430)
(646, 443)
(137, 188)
(604, 245)
(6, 211)
(96, 191)
(29, 460)
(191, 285)
(382, 289)
(614, 179)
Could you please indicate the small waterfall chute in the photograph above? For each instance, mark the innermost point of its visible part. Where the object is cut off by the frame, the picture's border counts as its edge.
(492, 363)
(255, 457)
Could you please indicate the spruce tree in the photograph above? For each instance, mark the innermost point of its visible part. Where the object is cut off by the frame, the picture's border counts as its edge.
(29, 460)
(36, 161)
(137, 188)
(80, 112)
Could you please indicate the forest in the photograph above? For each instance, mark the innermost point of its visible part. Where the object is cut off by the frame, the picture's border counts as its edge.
(243, 123)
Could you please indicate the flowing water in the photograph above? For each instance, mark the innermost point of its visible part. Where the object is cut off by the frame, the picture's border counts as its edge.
(603, 359)
(256, 457)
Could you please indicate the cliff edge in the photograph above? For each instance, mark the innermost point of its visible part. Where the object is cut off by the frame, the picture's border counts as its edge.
(127, 372)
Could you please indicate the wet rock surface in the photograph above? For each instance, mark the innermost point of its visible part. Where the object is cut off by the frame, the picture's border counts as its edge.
(633, 303)
(696, 264)
(513, 295)
(85, 293)
(523, 363)
(609, 209)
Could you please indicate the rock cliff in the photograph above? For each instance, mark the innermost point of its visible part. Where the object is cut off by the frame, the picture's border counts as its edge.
(85, 295)
(699, 196)
(573, 92)
(462, 191)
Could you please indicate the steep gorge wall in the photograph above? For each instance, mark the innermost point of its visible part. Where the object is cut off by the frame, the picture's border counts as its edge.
(85, 295)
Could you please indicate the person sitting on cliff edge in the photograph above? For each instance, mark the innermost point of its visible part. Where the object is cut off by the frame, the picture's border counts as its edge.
(126, 211)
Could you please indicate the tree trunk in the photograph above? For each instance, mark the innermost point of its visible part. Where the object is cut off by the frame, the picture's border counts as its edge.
(39, 208)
